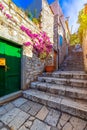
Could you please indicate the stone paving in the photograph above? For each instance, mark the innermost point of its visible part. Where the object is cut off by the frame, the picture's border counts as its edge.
(22, 114)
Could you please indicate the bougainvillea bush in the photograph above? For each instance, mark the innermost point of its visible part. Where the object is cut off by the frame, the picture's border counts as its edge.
(41, 43)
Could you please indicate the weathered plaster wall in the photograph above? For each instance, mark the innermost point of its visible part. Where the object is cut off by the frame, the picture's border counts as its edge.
(10, 30)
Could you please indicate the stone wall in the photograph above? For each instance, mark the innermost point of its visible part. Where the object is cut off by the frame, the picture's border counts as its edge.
(59, 29)
(47, 25)
(10, 30)
(47, 19)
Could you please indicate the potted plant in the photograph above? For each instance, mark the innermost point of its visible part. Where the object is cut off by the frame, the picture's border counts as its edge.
(49, 64)
(49, 68)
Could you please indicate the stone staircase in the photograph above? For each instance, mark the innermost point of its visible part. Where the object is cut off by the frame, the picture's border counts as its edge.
(62, 90)
(73, 62)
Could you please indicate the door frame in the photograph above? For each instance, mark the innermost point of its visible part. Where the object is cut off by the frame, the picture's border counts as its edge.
(22, 67)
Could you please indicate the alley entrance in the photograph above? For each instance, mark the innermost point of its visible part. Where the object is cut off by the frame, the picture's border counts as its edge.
(10, 67)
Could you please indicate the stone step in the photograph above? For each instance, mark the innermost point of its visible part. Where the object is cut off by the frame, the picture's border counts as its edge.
(74, 61)
(71, 69)
(75, 107)
(71, 63)
(80, 68)
(74, 58)
(77, 93)
(63, 81)
(74, 65)
(67, 74)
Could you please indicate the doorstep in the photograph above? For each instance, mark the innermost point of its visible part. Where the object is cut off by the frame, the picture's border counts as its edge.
(10, 97)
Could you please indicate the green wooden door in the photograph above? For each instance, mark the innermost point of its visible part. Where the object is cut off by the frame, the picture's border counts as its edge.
(10, 74)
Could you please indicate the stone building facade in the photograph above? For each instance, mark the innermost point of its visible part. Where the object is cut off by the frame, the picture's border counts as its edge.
(31, 65)
(60, 33)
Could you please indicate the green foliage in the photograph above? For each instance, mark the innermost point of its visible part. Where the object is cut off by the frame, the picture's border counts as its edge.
(82, 20)
(35, 20)
(32, 16)
(74, 39)
(29, 14)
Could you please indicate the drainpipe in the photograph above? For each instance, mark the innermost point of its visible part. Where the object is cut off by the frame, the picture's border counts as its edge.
(57, 51)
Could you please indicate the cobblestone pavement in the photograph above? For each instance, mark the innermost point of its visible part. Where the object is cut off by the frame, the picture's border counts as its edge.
(22, 114)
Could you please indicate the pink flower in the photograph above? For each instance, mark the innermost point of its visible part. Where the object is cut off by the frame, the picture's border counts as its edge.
(27, 43)
(50, 46)
(8, 16)
(29, 34)
(27, 31)
(22, 28)
(35, 35)
(40, 40)
(1, 6)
